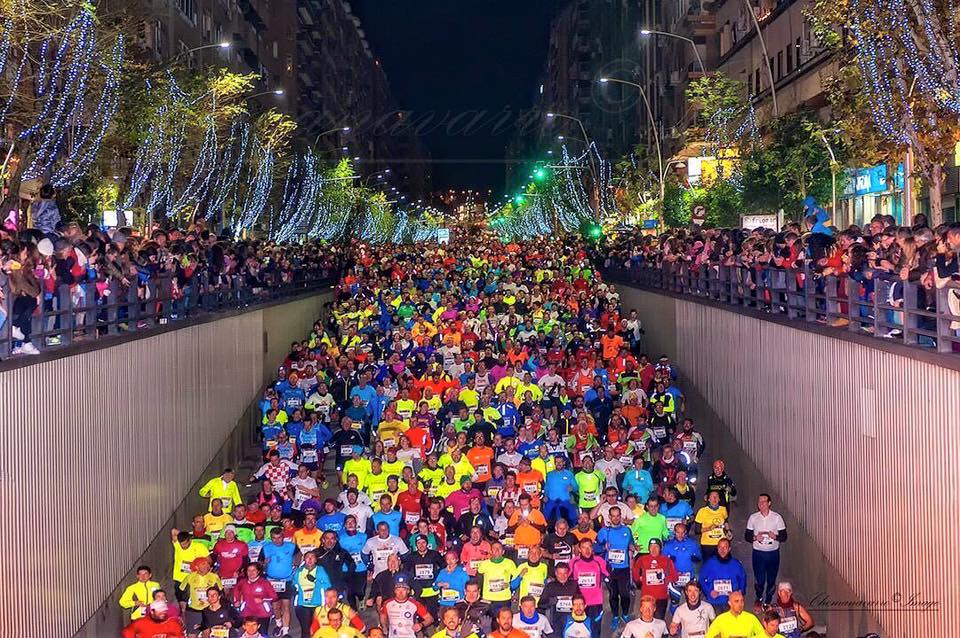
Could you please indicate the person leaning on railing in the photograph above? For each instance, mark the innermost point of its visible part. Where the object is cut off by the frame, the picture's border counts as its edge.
(24, 289)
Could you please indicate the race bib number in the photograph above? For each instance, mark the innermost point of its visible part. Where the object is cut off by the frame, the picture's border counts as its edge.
(307, 548)
(493, 491)
(587, 581)
(202, 596)
(279, 586)
(660, 432)
(229, 582)
(716, 533)
(626, 461)
(346, 450)
(498, 585)
(590, 497)
(271, 444)
(411, 518)
(309, 456)
(523, 552)
(382, 554)
(690, 446)
(788, 625)
(616, 556)
(423, 572)
(723, 587)
(535, 589)
(483, 469)
(255, 554)
(357, 559)
(683, 578)
(654, 577)
(185, 567)
(219, 632)
(449, 595)
(565, 604)
(672, 522)
(475, 563)
(531, 488)
(389, 443)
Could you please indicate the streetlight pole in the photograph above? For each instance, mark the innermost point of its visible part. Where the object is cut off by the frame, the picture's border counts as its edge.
(766, 57)
(833, 174)
(693, 44)
(656, 140)
(342, 129)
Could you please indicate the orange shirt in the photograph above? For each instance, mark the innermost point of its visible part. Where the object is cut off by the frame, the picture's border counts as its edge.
(632, 413)
(611, 345)
(590, 534)
(525, 534)
(481, 458)
(531, 482)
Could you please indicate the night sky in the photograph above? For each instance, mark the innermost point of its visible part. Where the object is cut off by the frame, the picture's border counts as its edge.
(451, 57)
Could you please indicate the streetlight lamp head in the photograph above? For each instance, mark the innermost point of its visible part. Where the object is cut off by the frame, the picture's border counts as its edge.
(551, 114)
(225, 45)
(346, 129)
(604, 80)
(279, 92)
(561, 137)
(645, 32)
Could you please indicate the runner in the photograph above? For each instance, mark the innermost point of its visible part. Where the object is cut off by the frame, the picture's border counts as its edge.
(766, 531)
(693, 617)
(402, 616)
(615, 543)
(590, 572)
(139, 595)
(736, 622)
(154, 624)
(646, 626)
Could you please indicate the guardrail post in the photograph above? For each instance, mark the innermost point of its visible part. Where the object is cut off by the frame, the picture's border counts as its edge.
(65, 315)
(945, 317)
(910, 318)
(6, 339)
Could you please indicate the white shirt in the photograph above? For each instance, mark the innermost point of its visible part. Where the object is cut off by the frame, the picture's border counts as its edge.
(362, 499)
(511, 460)
(640, 628)
(535, 629)
(694, 622)
(382, 548)
(611, 469)
(769, 524)
(360, 512)
(625, 511)
(301, 497)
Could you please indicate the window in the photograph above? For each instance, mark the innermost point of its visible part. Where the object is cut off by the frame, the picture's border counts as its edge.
(790, 54)
(779, 64)
(756, 81)
(186, 8)
(276, 51)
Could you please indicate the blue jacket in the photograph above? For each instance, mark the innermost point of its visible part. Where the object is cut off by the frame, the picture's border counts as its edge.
(638, 483)
(684, 554)
(559, 484)
(618, 539)
(715, 570)
(321, 582)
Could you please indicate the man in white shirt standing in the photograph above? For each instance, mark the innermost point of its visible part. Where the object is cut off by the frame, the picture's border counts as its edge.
(766, 530)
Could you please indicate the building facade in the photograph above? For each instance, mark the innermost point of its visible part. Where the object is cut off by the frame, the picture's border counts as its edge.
(260, 34)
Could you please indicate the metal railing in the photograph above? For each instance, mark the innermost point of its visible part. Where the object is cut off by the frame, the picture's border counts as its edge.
(882, 305)
(84, 312)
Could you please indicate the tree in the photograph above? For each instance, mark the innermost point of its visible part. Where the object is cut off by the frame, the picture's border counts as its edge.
(793, 164)
(725, 113)
(908, 62)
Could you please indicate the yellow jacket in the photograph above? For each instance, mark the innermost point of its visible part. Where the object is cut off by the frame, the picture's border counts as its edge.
(138, 593)
(228, 493)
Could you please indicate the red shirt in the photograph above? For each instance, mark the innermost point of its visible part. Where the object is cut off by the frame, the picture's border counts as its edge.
(410, 504)
(230, 556)
(653, 575)
(146, 627)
